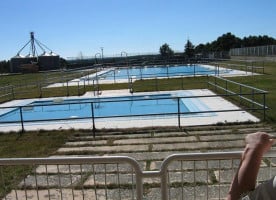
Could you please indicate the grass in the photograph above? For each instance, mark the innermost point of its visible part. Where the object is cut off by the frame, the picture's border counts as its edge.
(265, 82)
(29, 144)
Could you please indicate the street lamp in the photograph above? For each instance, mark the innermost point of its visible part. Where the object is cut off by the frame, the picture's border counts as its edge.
(102, 54)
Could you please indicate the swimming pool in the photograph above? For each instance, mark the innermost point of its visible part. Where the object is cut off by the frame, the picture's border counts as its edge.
(142, 106)
(156, 71)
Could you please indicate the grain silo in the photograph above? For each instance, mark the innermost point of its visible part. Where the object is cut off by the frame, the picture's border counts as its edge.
(33, 62)
(48, 61)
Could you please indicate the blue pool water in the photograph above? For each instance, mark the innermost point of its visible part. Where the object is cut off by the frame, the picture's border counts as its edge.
(160, 71)
(102, 107)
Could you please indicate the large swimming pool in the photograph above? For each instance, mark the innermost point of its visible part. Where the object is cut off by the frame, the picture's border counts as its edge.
(156, 71)
(162, 105)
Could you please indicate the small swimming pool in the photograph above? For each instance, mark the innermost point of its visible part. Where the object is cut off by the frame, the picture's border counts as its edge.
(162, 105)
(156, 71)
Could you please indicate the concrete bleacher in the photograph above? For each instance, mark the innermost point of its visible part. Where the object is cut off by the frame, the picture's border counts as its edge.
(149, 148)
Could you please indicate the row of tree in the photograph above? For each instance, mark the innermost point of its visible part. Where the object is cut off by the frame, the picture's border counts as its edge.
(223, 43)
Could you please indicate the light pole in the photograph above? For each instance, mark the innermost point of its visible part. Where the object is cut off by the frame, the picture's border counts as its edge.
(102, 53)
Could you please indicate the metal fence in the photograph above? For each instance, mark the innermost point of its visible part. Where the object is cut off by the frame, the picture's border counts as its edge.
(181, 176)
(269, 50)
(251, 98)
(29, 88)
(177, 113)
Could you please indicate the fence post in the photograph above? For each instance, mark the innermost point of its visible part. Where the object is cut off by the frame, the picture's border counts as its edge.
(178, 111)
(21, 120)
(226, 86)
(182, 82)
(215, 83)
(130, 85)
(253, 98)
(240, 93)
(141, 74)
(78, 88)
(67, 88)
(114, 77)
(12, 92)
(40, 90)
(264, 106)
(156, 84)
(93, 120)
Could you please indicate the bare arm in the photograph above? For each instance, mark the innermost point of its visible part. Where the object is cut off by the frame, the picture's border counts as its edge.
(245, 179)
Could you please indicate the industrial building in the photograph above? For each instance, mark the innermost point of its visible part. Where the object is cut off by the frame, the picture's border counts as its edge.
(33, 61)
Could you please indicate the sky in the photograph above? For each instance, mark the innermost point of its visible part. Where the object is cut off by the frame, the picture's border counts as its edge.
(72, 28)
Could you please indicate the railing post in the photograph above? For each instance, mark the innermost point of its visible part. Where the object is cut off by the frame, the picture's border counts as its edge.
(78, 88)
(226, 86)
(264, 106)
(67, 88)
(178, 112)
(21, 120)
(40, 90)
(253, 98)
(215, 83)
(114, 76)
(240, 93)
(93, 120)
(130, 86)
(182, 82)
(12, 92)
(156, 84)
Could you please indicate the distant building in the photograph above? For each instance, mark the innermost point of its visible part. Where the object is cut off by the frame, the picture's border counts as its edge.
(33, 62)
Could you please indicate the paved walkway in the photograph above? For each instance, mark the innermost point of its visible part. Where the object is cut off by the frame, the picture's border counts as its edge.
(189, 179)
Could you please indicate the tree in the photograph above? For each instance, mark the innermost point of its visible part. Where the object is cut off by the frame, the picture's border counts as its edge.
(4, 66)
(189, 49)
(227, 41)
(165, 50)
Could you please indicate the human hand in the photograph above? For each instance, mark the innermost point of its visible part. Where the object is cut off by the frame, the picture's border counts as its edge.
(260, 141)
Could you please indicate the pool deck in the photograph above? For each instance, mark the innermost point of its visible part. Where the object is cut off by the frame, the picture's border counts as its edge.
(213, 103)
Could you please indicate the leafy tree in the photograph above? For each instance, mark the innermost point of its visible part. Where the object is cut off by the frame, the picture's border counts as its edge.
(189, 49)
(165, 50)
(228, 41)
(4, 66)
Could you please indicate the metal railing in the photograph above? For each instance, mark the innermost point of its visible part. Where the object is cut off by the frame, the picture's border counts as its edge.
(38, 89)
(177, 112)
(140, 73)
(269, 50)
(181, 176)
(252, 98)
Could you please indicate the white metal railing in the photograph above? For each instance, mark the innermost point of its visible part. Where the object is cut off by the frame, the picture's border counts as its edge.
(181, 176)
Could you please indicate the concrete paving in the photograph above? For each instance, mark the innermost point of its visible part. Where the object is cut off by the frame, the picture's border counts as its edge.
(187, 179)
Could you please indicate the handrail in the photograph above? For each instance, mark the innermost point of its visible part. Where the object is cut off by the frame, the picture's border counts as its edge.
(246, 86)
(162, 173)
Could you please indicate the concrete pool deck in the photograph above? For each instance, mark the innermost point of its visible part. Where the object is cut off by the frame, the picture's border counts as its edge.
(213, 103)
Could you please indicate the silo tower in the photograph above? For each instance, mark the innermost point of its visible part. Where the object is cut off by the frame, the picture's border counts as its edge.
(34, 62)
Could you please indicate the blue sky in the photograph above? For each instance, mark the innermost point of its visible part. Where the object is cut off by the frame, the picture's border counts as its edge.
(69, 27)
